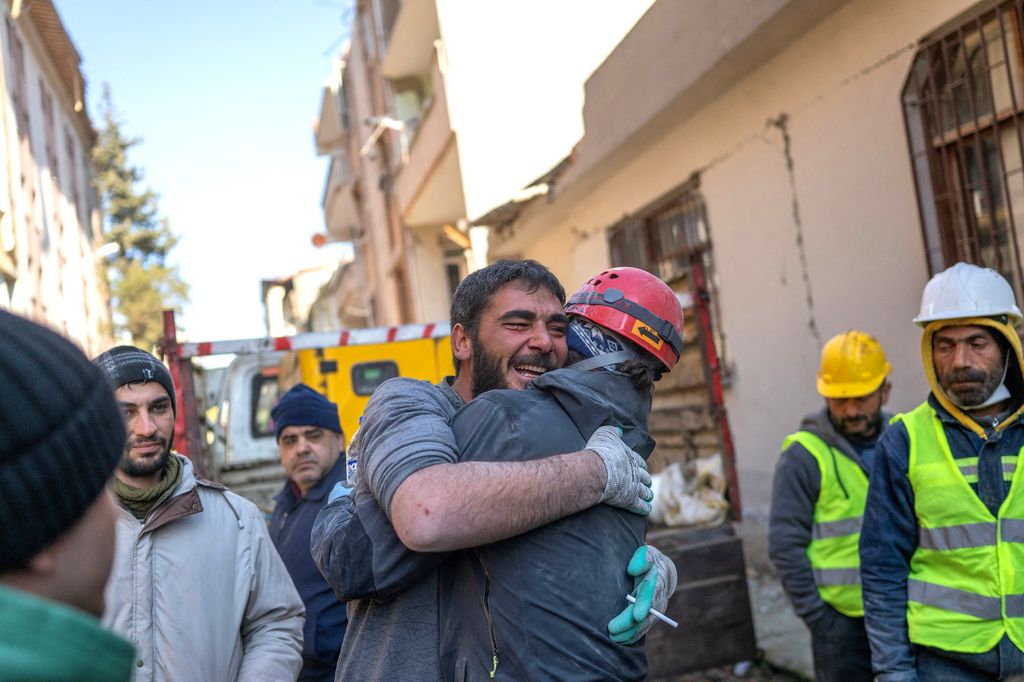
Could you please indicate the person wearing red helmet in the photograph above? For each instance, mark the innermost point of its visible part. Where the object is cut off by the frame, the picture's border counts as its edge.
(541, 605)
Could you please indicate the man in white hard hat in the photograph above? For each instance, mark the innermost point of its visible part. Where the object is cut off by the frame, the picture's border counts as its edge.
(818, 497)
(942, 545)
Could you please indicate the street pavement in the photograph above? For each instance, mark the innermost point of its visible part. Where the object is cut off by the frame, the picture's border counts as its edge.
(780, 633)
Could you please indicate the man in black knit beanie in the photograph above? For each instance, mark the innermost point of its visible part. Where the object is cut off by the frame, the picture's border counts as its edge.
(197, 585)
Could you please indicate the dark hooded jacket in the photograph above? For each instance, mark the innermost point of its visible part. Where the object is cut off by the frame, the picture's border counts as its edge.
(537, 606)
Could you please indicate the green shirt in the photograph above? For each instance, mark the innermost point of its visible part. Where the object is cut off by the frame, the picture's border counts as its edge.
(45, 640)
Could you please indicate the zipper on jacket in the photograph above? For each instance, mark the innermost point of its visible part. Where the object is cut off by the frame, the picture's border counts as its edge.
(490, 621)
(835, 467)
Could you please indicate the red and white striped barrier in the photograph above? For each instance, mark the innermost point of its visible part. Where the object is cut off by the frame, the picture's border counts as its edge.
(313, 340)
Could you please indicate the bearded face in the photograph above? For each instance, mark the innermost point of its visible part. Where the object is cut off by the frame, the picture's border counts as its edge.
(520, 336)
(491, 370)
(969, 363)
(859, 419)
(149, 418)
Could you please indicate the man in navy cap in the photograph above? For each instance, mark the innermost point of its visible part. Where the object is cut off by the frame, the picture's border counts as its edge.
(311, 444)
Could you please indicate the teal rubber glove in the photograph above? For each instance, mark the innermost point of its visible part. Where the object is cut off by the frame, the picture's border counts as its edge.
(654, 581)
(339, 490)
(628, 485)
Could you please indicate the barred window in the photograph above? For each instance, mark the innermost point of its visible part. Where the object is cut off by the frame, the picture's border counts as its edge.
(669, 238)
(963, 104)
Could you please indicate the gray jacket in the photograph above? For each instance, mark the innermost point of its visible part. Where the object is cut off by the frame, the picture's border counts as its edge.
(201, 592)
(795, 491)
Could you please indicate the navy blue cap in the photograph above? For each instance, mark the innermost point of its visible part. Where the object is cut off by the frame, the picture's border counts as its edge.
(302, 406)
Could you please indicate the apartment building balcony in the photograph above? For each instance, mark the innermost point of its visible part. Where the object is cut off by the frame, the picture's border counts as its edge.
(339, 203)
(429, 187)
(410, 40)
(331, 128)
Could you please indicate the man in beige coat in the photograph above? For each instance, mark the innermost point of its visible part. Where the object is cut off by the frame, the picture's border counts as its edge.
(197, 585)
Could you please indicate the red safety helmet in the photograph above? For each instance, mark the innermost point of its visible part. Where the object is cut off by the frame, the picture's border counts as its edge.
(638, 306)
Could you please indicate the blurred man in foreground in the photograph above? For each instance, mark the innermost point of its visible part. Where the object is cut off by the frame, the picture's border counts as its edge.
(61, 436)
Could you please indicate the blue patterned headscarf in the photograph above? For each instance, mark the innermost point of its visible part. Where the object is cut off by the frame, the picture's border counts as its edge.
(590, 340)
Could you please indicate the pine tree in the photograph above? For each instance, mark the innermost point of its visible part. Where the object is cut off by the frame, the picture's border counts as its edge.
(141, 282)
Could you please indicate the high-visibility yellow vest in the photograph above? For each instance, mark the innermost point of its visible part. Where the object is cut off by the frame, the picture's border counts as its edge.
(966, 583)
(835, 535)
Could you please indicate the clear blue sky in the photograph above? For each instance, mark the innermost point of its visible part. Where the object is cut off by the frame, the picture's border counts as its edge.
(223, 94)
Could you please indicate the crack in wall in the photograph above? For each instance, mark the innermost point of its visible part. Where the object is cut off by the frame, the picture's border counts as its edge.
(726, 155)
(910, 47)
(781, 123)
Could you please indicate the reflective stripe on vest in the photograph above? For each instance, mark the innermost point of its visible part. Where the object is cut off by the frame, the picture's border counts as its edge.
(966, 583)
(969, 467)
(838, 513)
(837, 576)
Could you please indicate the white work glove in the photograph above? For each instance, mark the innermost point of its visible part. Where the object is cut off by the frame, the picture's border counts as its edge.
(629, 482)
(654, 582)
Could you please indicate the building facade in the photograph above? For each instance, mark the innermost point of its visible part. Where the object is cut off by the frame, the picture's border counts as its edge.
(793, 168)
(302, 301)
(439, 110)
(50, 224)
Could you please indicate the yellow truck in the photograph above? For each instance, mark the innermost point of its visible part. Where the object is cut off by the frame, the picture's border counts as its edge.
(223, 422)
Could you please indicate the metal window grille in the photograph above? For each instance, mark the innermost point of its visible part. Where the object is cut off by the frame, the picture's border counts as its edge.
(671, 238)
(963, 104)
(667, 238)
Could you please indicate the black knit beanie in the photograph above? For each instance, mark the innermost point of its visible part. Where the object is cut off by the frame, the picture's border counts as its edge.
(61, 435)
(128, 365)
(302, 406)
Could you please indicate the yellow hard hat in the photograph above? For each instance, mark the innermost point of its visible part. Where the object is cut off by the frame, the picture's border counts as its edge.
(853, 365)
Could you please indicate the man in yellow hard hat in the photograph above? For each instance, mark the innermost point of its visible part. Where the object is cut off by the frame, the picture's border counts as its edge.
(942, 549)
(818, 497)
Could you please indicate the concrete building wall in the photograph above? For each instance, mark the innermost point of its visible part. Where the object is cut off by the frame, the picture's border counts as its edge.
(804, 168)
(299, 303)
(514, 82)
(430, 288)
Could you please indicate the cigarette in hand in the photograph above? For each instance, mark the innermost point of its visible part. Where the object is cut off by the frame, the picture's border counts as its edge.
(657, 614)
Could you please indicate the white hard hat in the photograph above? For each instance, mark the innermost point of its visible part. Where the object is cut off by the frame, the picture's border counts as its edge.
(966, 290)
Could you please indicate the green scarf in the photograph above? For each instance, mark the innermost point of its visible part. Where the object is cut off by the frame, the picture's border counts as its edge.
(141, 501)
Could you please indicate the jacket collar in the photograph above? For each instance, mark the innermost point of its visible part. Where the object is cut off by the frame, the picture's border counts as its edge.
(592, 399)
(179, 506)
(184, 501)
(447, 386)
(1011, 421)
(188, 475)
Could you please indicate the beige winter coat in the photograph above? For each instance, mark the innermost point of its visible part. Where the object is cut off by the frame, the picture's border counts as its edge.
(201, 591)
